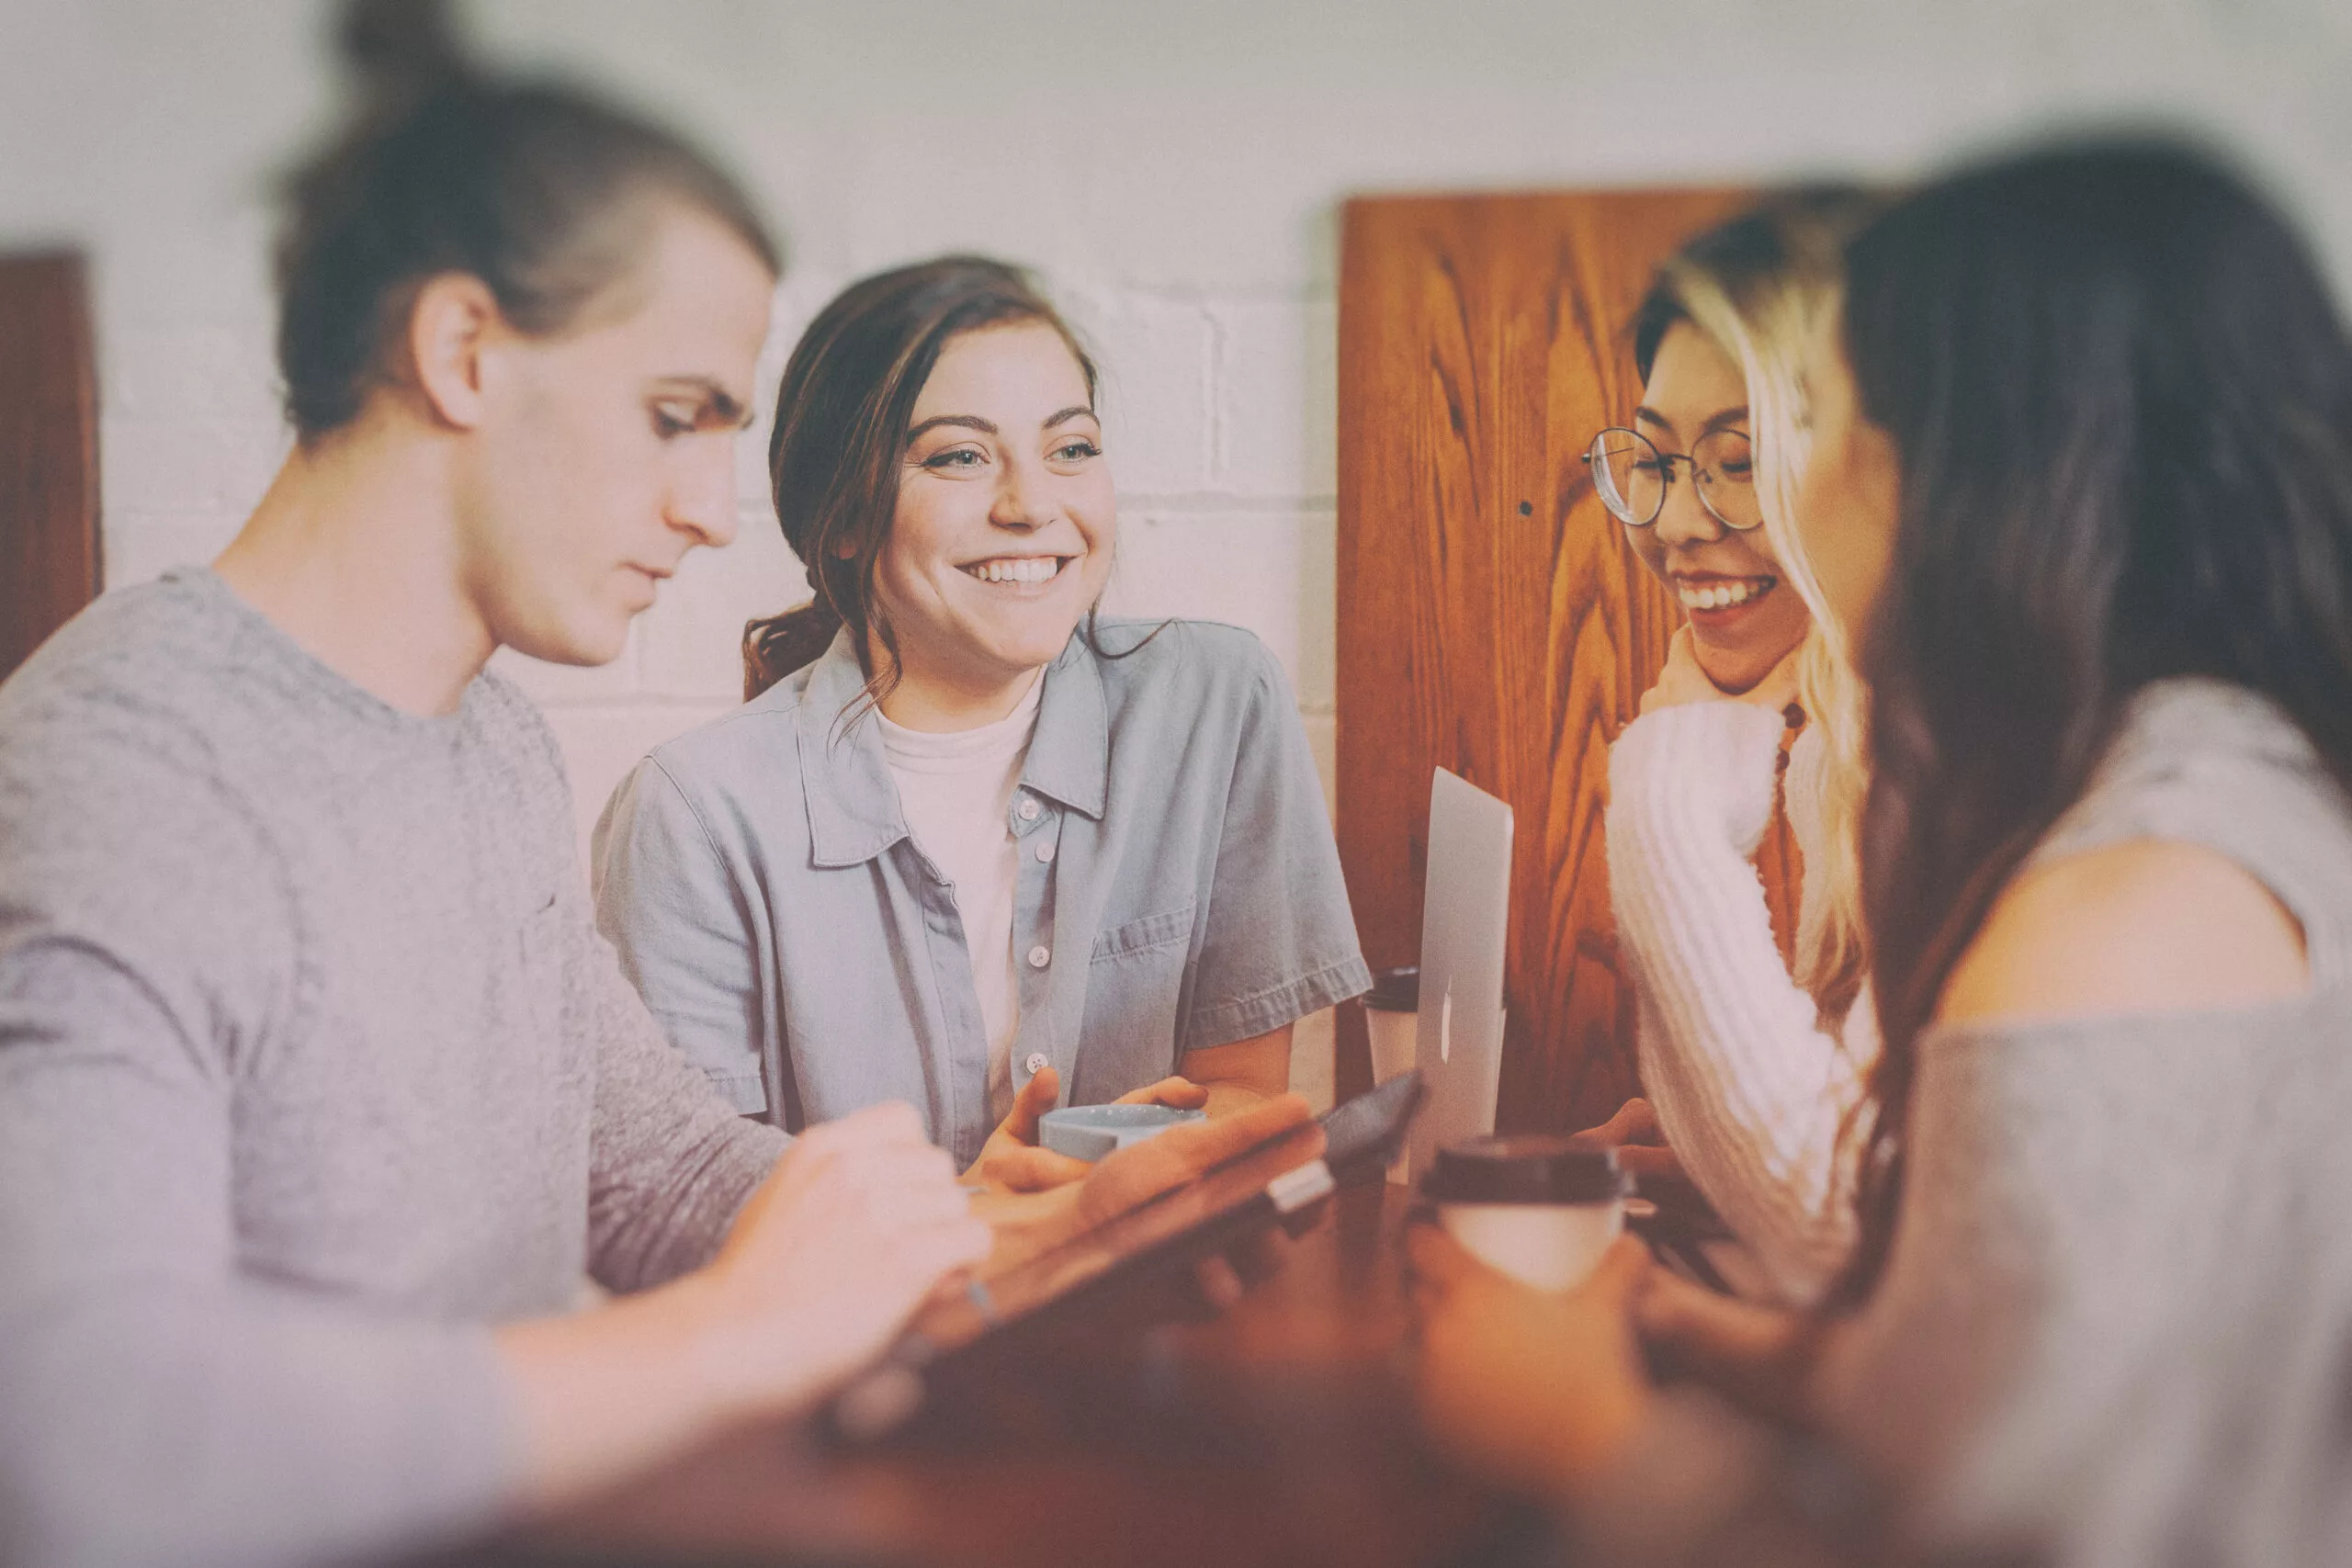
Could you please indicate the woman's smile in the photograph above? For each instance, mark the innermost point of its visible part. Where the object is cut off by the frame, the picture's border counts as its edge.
(1721, 601)
(1026, 575)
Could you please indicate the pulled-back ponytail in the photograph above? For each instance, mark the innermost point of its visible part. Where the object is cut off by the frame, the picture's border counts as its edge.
(775, 645)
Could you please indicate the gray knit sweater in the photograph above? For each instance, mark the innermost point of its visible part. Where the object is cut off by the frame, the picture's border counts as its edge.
(312, 1068)
(2116, 1328)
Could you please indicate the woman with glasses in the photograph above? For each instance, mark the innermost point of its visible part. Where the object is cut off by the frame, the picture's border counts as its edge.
(1749, 1074)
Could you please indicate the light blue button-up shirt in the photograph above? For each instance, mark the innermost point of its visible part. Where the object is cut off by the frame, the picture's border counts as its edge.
(1178, 887)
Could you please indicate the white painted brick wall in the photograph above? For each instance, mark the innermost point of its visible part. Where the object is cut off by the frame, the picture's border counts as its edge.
(1274, 403)
(1172, 171)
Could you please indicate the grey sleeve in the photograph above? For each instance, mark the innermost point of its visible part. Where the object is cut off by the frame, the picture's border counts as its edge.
(685, 931)
(669, 1161)
(1278, 940)
(158, 1404)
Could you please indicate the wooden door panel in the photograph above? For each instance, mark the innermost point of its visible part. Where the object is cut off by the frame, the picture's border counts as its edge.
(48, 451)
(1491, 619)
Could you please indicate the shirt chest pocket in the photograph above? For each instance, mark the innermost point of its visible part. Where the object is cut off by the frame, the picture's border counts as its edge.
(1135, 986)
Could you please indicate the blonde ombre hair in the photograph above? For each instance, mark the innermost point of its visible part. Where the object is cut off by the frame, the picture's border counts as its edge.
(1757, 287)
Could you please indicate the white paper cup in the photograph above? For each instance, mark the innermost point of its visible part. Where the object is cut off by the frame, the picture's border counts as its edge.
(1392, 1038)
(1552, 1246)
(1541, 1210)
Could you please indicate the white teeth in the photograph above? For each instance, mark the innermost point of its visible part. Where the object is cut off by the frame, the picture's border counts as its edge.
(1718, 595)
(1020, 568)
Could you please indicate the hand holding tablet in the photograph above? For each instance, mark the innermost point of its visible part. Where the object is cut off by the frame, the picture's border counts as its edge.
(1175, 1202)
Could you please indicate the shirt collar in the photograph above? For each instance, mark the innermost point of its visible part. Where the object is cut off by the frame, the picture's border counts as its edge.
(853, 806)
(1069, 757)
(853, 802)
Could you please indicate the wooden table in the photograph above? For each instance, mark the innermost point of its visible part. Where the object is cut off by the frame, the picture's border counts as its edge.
(1280, 1433)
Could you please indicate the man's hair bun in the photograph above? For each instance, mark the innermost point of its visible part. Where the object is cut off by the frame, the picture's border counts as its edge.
(445, 166)
(400, 52)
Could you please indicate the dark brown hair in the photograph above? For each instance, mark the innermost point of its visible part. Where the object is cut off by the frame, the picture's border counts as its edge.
(2121, 399)
(1750, 253)
(841, 429)
(536, 189)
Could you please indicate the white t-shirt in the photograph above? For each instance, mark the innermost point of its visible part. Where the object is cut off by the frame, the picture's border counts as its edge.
(956, 790)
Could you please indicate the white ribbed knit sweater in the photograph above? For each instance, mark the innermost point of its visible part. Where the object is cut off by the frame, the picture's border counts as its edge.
(1750, 1090)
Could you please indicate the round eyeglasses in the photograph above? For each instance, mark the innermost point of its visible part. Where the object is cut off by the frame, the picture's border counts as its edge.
(1632, 477)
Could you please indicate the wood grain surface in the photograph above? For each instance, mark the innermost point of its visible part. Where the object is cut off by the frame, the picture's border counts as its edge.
(48, 451)
(1491, 618)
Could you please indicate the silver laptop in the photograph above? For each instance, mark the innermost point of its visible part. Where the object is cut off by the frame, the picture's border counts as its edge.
(1465, 922)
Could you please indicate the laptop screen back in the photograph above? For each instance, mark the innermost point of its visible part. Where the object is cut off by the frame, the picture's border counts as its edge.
(1465, 923)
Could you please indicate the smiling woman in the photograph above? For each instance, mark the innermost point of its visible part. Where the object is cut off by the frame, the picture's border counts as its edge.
(1002, 536)
(969, 844)
(1750, 1072)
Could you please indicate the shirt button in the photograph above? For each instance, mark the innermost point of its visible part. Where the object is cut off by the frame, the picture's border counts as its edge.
(1040, 956)
(1029, 810)
(1036, 1062)
(1046, 851)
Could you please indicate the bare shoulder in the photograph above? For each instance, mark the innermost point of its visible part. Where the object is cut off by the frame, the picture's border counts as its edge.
(2145, 925)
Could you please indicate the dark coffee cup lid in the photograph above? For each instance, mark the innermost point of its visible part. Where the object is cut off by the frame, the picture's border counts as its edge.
(1526, 1168)
(1396, 990)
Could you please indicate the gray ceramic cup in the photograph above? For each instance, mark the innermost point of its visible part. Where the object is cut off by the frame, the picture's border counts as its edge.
(1090, 1131)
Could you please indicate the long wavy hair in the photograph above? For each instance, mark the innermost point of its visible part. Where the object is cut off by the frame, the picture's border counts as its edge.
(848, 393)
(2121, 399)
(1756, 287)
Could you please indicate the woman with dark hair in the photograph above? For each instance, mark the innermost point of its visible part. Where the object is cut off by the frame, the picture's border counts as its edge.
(970, 845)
(2083, 483)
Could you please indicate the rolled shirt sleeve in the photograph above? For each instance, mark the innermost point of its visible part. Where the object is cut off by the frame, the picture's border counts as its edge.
(1276, 938)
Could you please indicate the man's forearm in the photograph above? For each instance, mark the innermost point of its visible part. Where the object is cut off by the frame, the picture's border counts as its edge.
(606, 1393)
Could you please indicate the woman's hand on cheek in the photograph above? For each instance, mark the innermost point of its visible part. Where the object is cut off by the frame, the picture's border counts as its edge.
(1533, 1389)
